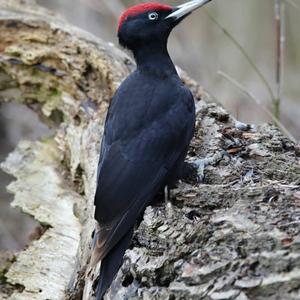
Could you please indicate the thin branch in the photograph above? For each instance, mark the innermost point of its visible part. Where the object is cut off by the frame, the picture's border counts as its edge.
(246, 55)
(280, 47)
(258, 102)
(293, 3)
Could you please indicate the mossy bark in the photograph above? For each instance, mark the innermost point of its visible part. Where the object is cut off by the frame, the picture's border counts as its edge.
(235, 236)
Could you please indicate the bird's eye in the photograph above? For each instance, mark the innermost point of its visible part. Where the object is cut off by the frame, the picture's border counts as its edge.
(153, 16)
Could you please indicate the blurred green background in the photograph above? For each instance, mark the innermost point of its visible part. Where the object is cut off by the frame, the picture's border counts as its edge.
(198, 46)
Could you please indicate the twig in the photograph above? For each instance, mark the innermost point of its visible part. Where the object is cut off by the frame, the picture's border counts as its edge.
(286, 186)
(280, 47)
(245, 54)
(257, 101)
(293, 3)
(289, 224)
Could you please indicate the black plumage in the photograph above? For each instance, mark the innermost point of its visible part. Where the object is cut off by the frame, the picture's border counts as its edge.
(148, 128)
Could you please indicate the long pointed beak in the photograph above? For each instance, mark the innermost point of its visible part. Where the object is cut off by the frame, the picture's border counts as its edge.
(185, 9)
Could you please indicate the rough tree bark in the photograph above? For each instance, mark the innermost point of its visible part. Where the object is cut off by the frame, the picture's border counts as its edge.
(236, 236)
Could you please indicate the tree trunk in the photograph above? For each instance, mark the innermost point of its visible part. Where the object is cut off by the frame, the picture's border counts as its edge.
(235, 236)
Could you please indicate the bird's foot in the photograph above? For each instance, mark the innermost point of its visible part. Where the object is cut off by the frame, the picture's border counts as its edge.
(167, 194)
(201, 164)
(169, 206)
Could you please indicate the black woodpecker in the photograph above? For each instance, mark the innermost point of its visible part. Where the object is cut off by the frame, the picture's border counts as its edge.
(148, 129)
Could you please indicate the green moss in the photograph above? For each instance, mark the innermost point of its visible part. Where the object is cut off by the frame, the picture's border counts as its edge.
(4, 269)
(55, 93)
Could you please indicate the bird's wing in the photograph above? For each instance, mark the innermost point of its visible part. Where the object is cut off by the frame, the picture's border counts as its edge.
(124, 189)
(133, 169)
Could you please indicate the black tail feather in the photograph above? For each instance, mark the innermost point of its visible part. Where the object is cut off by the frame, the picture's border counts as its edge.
(111, 264)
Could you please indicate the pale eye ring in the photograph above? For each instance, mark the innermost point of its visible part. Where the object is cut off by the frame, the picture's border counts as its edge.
(153, 16)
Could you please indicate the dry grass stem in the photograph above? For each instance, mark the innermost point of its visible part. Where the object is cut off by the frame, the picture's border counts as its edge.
(280, 47)
(245, 54)
(258, 102)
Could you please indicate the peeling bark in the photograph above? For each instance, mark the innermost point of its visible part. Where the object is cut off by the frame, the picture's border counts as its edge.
(236, 236)
(68, 77)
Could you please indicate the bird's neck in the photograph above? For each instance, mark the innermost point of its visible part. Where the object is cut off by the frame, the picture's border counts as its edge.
(154, 59)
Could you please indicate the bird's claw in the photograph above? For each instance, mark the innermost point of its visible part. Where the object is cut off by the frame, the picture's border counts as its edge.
(201, 164)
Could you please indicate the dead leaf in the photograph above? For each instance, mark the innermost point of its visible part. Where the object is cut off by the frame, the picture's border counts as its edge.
(234, 150)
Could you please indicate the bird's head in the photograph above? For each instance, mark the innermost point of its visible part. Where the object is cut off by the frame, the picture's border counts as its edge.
(152, 22)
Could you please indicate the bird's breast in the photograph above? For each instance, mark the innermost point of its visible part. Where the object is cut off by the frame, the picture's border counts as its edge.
(153, 108)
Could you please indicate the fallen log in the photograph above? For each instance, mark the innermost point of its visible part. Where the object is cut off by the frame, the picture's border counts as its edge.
(235, 236)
